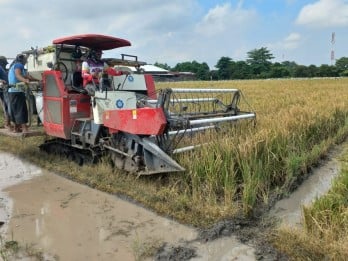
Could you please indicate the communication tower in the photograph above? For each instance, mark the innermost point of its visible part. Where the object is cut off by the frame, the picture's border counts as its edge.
(333, 40)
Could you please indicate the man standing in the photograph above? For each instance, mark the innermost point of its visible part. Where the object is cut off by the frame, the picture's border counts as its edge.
(3, 91)
(17, 100)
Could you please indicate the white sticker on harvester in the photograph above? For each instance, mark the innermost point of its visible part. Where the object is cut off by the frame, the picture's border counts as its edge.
(73, 106)
(134, 114)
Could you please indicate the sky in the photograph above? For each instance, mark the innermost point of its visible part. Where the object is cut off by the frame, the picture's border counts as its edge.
(177, 31)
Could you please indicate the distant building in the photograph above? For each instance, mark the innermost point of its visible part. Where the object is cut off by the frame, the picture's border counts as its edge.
(185, 76)
(158, 73)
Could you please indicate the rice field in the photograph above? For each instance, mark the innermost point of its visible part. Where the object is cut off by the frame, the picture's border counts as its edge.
(297, 122)
(242, 170)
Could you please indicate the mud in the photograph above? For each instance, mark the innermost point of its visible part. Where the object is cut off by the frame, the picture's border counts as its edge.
(70, 221)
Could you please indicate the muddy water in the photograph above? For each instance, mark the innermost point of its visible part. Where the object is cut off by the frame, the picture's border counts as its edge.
(289, 210)
(12, 171)
(70, 221)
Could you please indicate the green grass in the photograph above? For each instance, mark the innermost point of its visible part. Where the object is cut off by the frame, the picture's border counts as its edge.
(13, 250)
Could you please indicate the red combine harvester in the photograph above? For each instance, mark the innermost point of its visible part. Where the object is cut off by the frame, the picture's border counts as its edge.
(139, 127)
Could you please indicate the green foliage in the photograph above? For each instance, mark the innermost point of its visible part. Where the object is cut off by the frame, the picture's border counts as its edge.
(342, 65)
(344, 73)
(163, 66)
(300, 71)
(327, 71)
(49, 49)
(259, 66)
(224, 70)
(278, 70)
(240, 70)
(200, 69)
(260, 61)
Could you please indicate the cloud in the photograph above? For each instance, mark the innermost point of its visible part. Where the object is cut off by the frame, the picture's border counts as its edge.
(150, 25)
(286, 46)
(223, 18)
(291, 41)
(324, 13)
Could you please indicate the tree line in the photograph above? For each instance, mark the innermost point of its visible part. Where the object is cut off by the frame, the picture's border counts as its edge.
(258, 65)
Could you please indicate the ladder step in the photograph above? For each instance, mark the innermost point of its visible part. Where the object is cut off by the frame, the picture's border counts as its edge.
(77, 146)
(76, 133)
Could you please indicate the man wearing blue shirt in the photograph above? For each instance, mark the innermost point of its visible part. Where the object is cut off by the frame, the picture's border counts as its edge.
(17, 100)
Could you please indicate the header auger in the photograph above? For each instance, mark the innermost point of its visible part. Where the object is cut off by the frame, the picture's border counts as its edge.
(139, 127)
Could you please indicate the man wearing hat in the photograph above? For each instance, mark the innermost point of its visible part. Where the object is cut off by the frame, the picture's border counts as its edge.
(16, 96)
(3, 91)
(95, 69)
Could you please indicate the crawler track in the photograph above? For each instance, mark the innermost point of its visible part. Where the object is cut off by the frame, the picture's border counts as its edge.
(65, 149)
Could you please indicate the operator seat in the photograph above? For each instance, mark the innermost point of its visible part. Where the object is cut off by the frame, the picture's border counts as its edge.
(77, 82)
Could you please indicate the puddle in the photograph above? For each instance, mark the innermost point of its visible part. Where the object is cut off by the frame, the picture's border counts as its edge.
(224, 249)
(74, 222)
(289, 210)
(70, 221)
(12, 171)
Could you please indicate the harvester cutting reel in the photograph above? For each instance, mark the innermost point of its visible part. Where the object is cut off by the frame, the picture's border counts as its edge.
(193, 111)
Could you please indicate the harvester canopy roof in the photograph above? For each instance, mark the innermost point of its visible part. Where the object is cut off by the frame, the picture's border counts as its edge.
(93, 41)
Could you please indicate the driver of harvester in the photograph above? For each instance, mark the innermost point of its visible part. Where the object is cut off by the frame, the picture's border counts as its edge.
(93, 69)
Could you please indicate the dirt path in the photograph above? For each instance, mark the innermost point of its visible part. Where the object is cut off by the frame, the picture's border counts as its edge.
(70, 221)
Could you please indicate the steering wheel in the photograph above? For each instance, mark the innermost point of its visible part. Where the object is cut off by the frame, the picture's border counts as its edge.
(60, 66)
